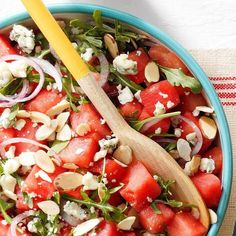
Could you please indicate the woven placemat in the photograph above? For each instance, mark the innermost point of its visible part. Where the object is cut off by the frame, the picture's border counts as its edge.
(220, 66)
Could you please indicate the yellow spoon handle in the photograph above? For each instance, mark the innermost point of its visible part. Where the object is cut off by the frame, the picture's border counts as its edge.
(57, 38)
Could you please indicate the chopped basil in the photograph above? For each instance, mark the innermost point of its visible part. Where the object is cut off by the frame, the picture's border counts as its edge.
(177, 78)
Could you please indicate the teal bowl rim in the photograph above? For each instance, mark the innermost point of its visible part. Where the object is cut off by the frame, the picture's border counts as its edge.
(192, 64)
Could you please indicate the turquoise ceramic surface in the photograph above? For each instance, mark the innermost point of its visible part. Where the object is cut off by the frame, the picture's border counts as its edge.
(190, 62)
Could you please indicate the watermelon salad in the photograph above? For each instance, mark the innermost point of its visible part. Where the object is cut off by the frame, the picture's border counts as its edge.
(62, 170)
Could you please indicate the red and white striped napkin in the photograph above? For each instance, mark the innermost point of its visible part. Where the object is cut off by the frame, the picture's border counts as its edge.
(220, 66)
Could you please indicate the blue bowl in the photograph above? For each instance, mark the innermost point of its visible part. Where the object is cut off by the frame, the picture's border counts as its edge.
(209, 90)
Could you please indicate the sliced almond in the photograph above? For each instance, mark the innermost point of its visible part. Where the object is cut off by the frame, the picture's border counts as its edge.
(120, 163)
(133, 212)
(192, 166)
(43, 175)
(82, 129)
(70, 166)
(111, 45)
(123, 154)
(127, 223)
(49, 207)
(195, 212)
(8, 182)
(86, 226)
(205, 109)
(52, 137)
(43, 161)
(59, 108)
(68, 180)
(208, 127)
(64, 134)
(10, 194)
(27, 158)
(43, 132)
(23, 114)
(184, 149)
(61, 120)
(151, 72)
(39, 117)
(213, 216)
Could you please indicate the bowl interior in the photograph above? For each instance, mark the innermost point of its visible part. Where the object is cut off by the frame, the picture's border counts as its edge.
(69, 11)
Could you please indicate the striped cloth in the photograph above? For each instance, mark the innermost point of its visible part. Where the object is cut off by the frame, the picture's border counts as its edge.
(220, 66)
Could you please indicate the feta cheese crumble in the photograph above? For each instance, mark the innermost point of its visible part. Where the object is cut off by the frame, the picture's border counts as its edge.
(87, 56)
(159, 109)
(207, 165)
(124, 65)
(24, 37)
(170, 104)
(5, 74)
(178, 132)
(18, 68)
(137, 96)
(73, 209)
(108, 144)
(5, 118)
(90, 181)
(125, 95)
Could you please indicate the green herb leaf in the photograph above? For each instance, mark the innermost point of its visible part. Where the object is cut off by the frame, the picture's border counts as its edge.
(12, 87)
(170, 147)
(138, 124)
(14, 110)
(58, 146)
(57, 197)
(28, 200)
(155, 208)
(4, 206)
(165, 187)
(177, 78)
(109, 211)
(97, 16)
(120, 79)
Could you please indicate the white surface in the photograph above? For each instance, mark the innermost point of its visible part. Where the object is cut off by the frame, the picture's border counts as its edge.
(196, 24)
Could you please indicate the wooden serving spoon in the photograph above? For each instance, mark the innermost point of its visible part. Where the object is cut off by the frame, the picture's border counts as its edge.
(152, 155)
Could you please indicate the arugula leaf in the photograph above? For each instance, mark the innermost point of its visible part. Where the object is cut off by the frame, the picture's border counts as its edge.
(120, 79)
(12, 87)
(97, 16)
(177, 78)
(174, 203)
(4, 206)
(57, 197)
(109, 211)
(58, 146)
(170, 147)
(155, 208)
(138, 124)
(28, 200)
(165, 186)
(166, 135)
(14, 110)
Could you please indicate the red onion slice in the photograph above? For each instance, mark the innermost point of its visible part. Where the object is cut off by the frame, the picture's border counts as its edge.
(149, 124)
(49, 69)
(104, 69)
(164, 140)
(199, 143)
(8, 101)
(26, 140)
(32, 64)
(17, 220)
